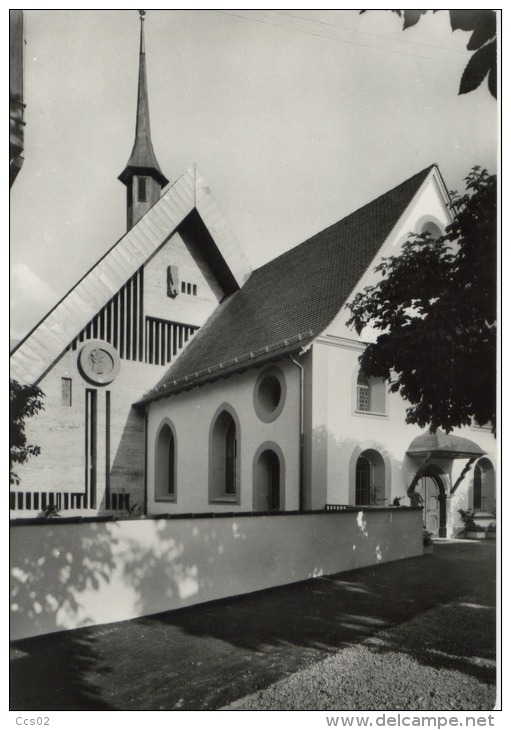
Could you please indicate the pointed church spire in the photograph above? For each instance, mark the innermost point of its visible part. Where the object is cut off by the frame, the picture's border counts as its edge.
(142, 175)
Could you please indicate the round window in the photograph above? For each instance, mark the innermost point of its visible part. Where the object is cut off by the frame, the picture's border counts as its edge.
(269, 394)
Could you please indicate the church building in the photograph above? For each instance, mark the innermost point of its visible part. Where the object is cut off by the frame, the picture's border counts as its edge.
(177, 381)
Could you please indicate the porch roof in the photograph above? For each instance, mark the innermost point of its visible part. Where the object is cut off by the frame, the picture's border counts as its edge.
(442, 445)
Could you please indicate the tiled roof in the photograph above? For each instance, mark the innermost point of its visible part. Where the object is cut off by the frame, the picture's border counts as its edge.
(442, 444)
(289, 301)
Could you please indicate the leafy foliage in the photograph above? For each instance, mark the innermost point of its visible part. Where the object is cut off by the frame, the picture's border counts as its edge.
(434, 312)
(467, 517)
(24, 402)
(427, 537)
(482, 24)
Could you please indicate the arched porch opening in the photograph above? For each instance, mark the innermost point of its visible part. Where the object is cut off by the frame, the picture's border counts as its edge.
(429, 489)
(483, 487)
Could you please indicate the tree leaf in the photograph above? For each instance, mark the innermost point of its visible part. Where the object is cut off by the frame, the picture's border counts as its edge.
(484, 31)
(468, 19)
(432, 311)
(478, 67)
(412, 17)
(492, 80)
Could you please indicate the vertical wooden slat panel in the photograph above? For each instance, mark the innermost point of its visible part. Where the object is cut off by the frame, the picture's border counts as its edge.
(141, 329)
(93, 447)
(115, 322)
(127, 348)
(121, 324)
(157, 343)
(107, 449)
(102, 324)
(87, 440)
(135, 318)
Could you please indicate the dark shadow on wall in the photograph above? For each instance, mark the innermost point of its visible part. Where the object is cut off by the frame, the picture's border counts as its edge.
(128, 465)
(324, 441)
(45, 584)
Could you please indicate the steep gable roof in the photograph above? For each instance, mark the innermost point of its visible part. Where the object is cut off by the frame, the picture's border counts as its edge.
(289, 301)
(188, 200)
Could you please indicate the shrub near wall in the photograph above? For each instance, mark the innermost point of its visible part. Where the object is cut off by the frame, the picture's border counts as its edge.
(66, 575)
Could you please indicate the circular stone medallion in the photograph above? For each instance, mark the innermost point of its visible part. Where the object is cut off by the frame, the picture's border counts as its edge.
(99, 362)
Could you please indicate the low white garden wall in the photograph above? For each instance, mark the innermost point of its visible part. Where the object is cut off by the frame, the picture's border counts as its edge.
(66, 575)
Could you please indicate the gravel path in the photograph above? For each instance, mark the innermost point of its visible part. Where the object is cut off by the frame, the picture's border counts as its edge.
(436, 661)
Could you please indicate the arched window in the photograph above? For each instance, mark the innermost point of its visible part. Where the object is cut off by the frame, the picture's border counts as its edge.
(364, 481)
(224, 458)
(478, 488)
(431, 228)
(370, 479)
(370, 394)
(230, 459)
(484, 487)
(165, 464)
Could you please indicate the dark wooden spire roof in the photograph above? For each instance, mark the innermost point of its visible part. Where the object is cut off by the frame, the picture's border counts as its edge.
(142, 160)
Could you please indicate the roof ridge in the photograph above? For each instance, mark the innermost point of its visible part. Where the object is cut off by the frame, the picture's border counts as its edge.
(301, 290)
(347, 217)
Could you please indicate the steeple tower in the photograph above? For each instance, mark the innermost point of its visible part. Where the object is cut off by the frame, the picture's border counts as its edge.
(142, 175)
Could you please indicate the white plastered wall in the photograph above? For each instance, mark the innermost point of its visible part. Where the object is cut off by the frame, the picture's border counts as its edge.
(336, 432)
(340, 433)
(191, 414)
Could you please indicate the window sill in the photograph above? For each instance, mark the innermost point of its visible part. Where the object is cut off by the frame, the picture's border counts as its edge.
(224, 500)
(165, 499)
(371, 413)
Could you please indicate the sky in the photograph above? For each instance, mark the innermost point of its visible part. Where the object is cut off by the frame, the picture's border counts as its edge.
(295, 118)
